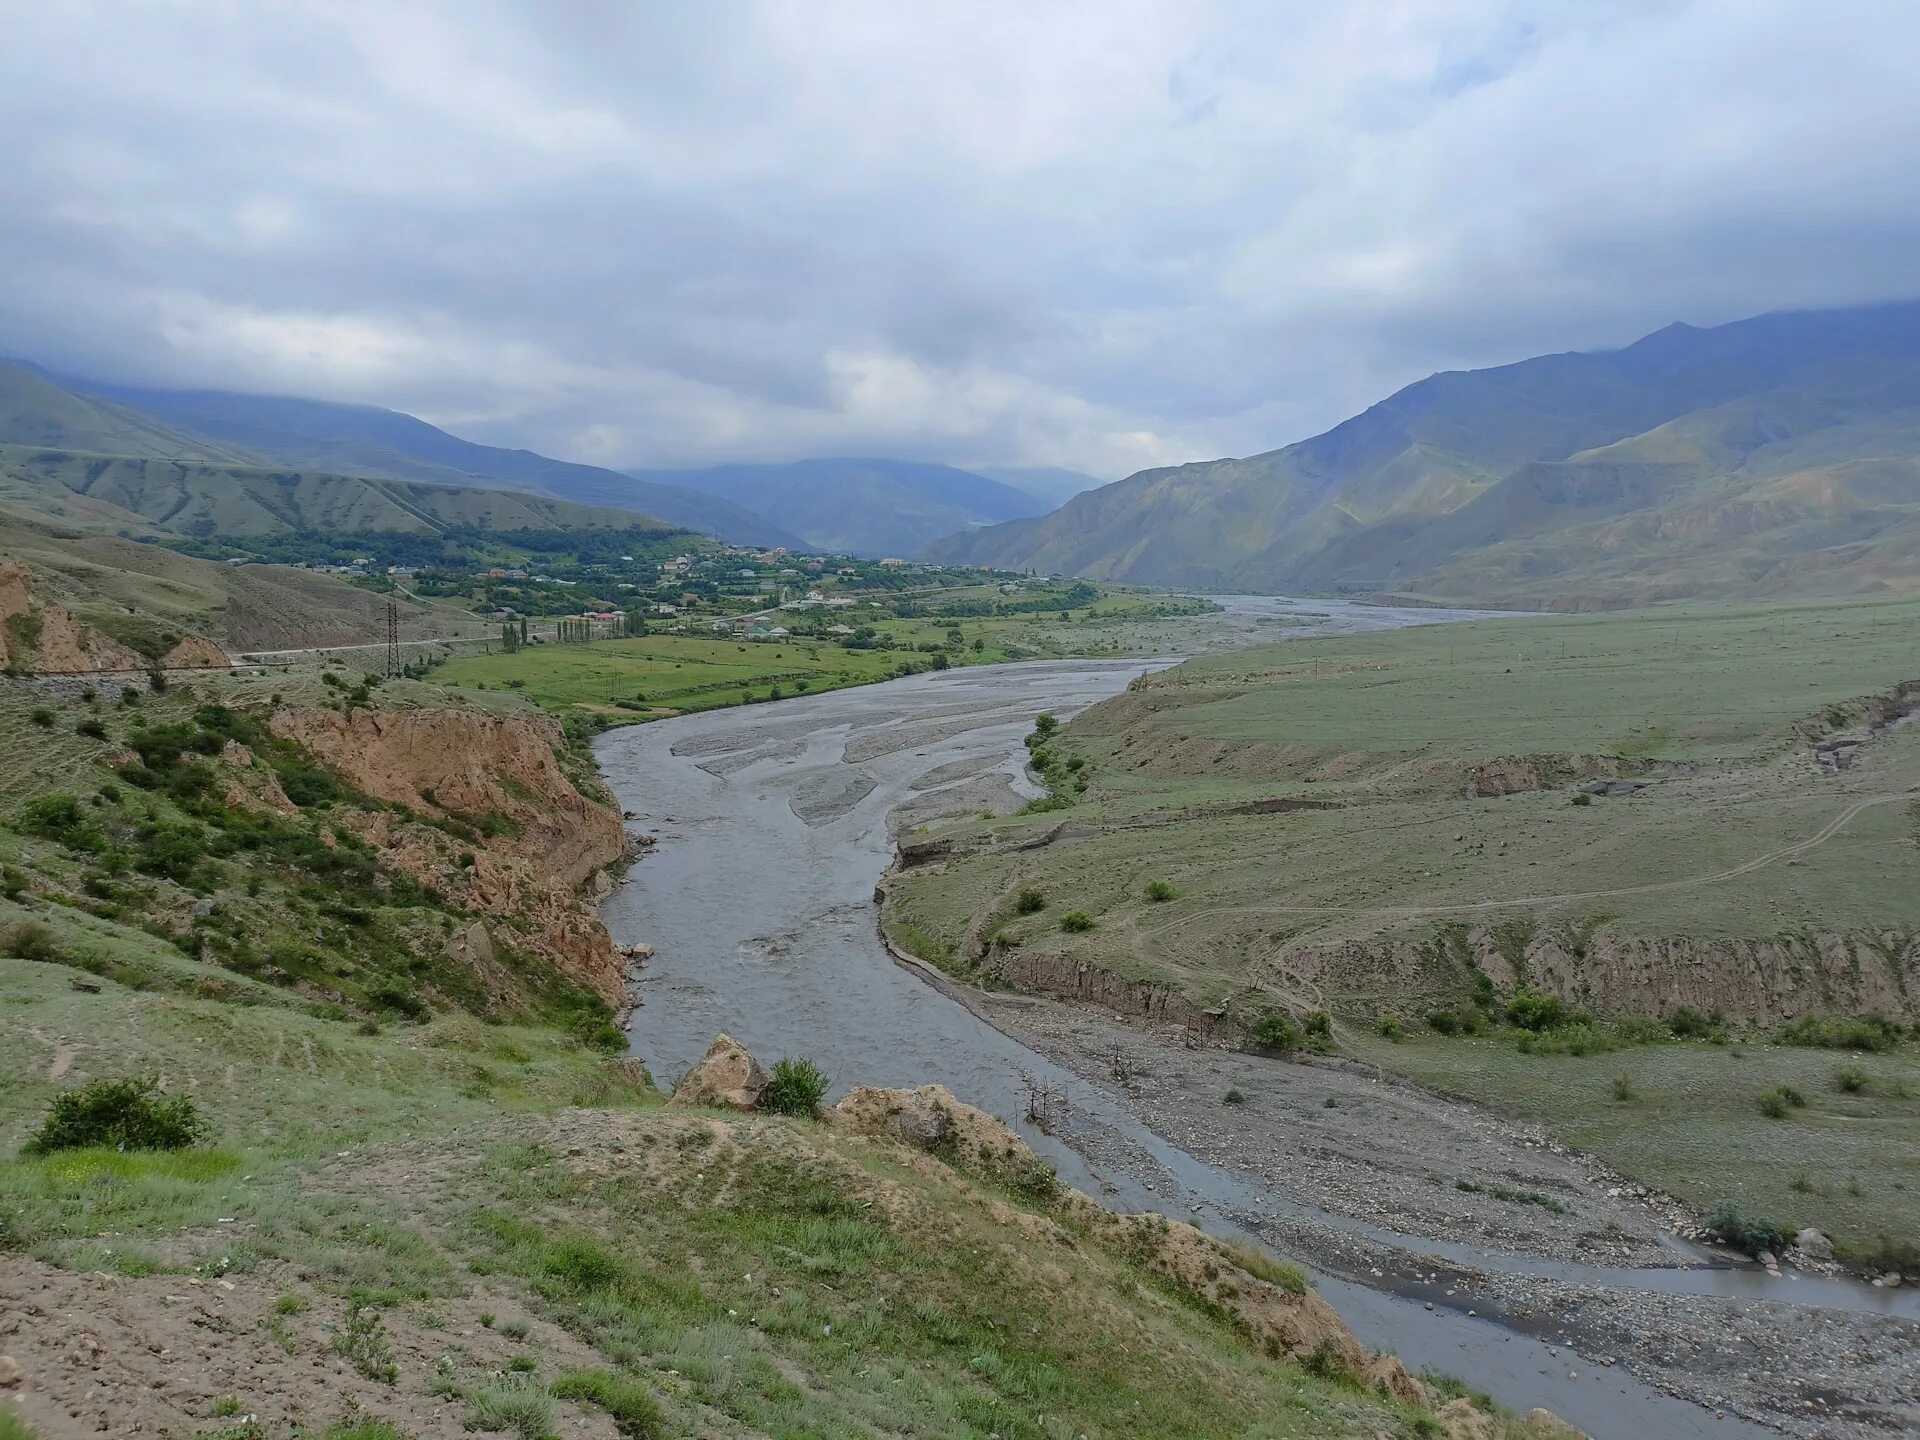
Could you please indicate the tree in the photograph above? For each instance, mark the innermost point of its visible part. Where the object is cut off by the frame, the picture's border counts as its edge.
(509, 638)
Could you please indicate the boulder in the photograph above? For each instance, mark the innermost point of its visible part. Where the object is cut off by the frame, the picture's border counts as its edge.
(924, 1118)
(1392, 1379)
(1813, 1244)
(1459, 1420)
(1549, 1426)
(726, 1076)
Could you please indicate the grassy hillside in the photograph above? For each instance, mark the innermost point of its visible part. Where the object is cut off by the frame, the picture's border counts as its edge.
(422, 1194)
(384, 444)
(112, 583)
(1775, 456)
(863, 507)
(36, 411)
(188, 498)
(1629, 813)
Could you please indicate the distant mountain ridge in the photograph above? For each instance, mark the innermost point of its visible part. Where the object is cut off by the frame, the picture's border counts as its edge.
(861, 506)
(365, 440)
(1774, 455)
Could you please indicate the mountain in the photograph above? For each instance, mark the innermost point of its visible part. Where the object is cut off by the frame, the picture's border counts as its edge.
(180, 497)
(862, 506)
(1774, 455)
(36, 410)
(1052, 485)
(318, 435)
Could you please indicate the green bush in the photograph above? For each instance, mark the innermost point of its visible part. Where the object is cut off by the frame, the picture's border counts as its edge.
(92, 729)
(1030, 901)
(1530, 1009)
(1689, 1024)
(1749, 1234)
(1274, 1030)
(30, 940)
(797, 1087)
(1581, 799)
(1076, 922)
(59, 817)
(1623, 1088)
(1159, 891)
(41, 716)
(1850, 1079)
(1775, 1103)
(127, 1114)
(1233, 1097)
(1868, 1032)
(1445, 1021)
(627, 1401)
(1389, 1026)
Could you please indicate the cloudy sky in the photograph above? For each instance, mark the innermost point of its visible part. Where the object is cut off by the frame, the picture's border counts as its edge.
(1103, 235)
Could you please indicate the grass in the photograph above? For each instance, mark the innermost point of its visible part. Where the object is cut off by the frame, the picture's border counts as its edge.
(1694, 1127)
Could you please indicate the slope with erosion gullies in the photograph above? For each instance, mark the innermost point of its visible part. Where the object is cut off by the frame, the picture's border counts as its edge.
(1496, 486)
(1700, 806)
(191, 498)
(364, 440)
(862, 506)
(410, 854)
(151, 600)
(421, 1187)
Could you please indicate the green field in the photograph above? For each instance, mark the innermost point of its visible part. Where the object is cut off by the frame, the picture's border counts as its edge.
(1742, 880)
(637, 679)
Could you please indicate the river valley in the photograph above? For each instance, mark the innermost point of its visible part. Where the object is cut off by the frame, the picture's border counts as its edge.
(774, 823)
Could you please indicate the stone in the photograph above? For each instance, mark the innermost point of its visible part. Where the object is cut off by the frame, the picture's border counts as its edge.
(1812, 1244)
(9, 1372)
(726, 1076)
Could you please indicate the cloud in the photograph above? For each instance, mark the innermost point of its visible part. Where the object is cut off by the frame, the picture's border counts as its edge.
(1096, 236)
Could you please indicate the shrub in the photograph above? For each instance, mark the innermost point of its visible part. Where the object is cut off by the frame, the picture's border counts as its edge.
(13, 881)
(30, 940)
(1030, 901)
(1233, 1097)
(1581, 799)
(1850, 1079)
(59, 817)
(1689, 1024)
(1775, 1103)
(1274, 1030)
(1389, 1025)
(1076, 922)
(1319, 1025)
(126, 1114)
(1749, 1234)
(514, 1404)
(1868, 1032)
(797, 1087)
(1044, 725)
(1530, 1009)
(92, 729)
(1623, 1087)
(41, 716)
(1159, 891)
(1445, 1021)
(628, 1402)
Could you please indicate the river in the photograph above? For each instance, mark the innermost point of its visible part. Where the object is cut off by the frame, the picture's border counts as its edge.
(773, 829)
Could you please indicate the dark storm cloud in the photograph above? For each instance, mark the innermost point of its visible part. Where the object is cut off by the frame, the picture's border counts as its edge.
(1101, 236)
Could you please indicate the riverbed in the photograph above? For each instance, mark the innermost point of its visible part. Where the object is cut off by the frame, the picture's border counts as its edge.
(772, 828)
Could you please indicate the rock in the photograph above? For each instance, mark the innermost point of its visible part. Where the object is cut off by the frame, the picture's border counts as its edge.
(9, 1372)
(1546, 1425)
(1812, 1244)
(726, 1075)
(642, 951)
(1387, 1375)
(1460, 1421)
(924, 1118)
(1767, 1262)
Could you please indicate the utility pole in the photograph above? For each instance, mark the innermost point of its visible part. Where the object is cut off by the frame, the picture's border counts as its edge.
(393, 639)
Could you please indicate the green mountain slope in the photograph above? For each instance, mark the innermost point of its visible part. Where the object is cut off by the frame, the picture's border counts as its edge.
(181, 497)
(385, 444)
(862, 506)
(34, 410)
(1776, 455)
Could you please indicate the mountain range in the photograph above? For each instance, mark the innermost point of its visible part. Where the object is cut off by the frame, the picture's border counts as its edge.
(1774, 455)
(861, 506)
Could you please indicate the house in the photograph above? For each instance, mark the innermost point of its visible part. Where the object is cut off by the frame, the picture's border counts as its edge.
(839, 629)
(893, 562)
(665, 609)
(779, 632)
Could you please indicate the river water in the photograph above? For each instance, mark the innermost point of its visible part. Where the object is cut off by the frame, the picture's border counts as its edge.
(772, 826)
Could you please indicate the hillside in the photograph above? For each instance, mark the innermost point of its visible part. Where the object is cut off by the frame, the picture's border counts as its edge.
(316, 435)
(1051, 485)
(316, 1121)
(35, 410)
(182, 497)
(1779, 455)
(863, 506)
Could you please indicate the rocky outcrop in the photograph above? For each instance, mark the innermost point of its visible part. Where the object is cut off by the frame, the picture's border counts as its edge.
(67, 645)
(16, 597)
(1070, 979)
(513, 838)
(195, 652)
(726, 1076)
